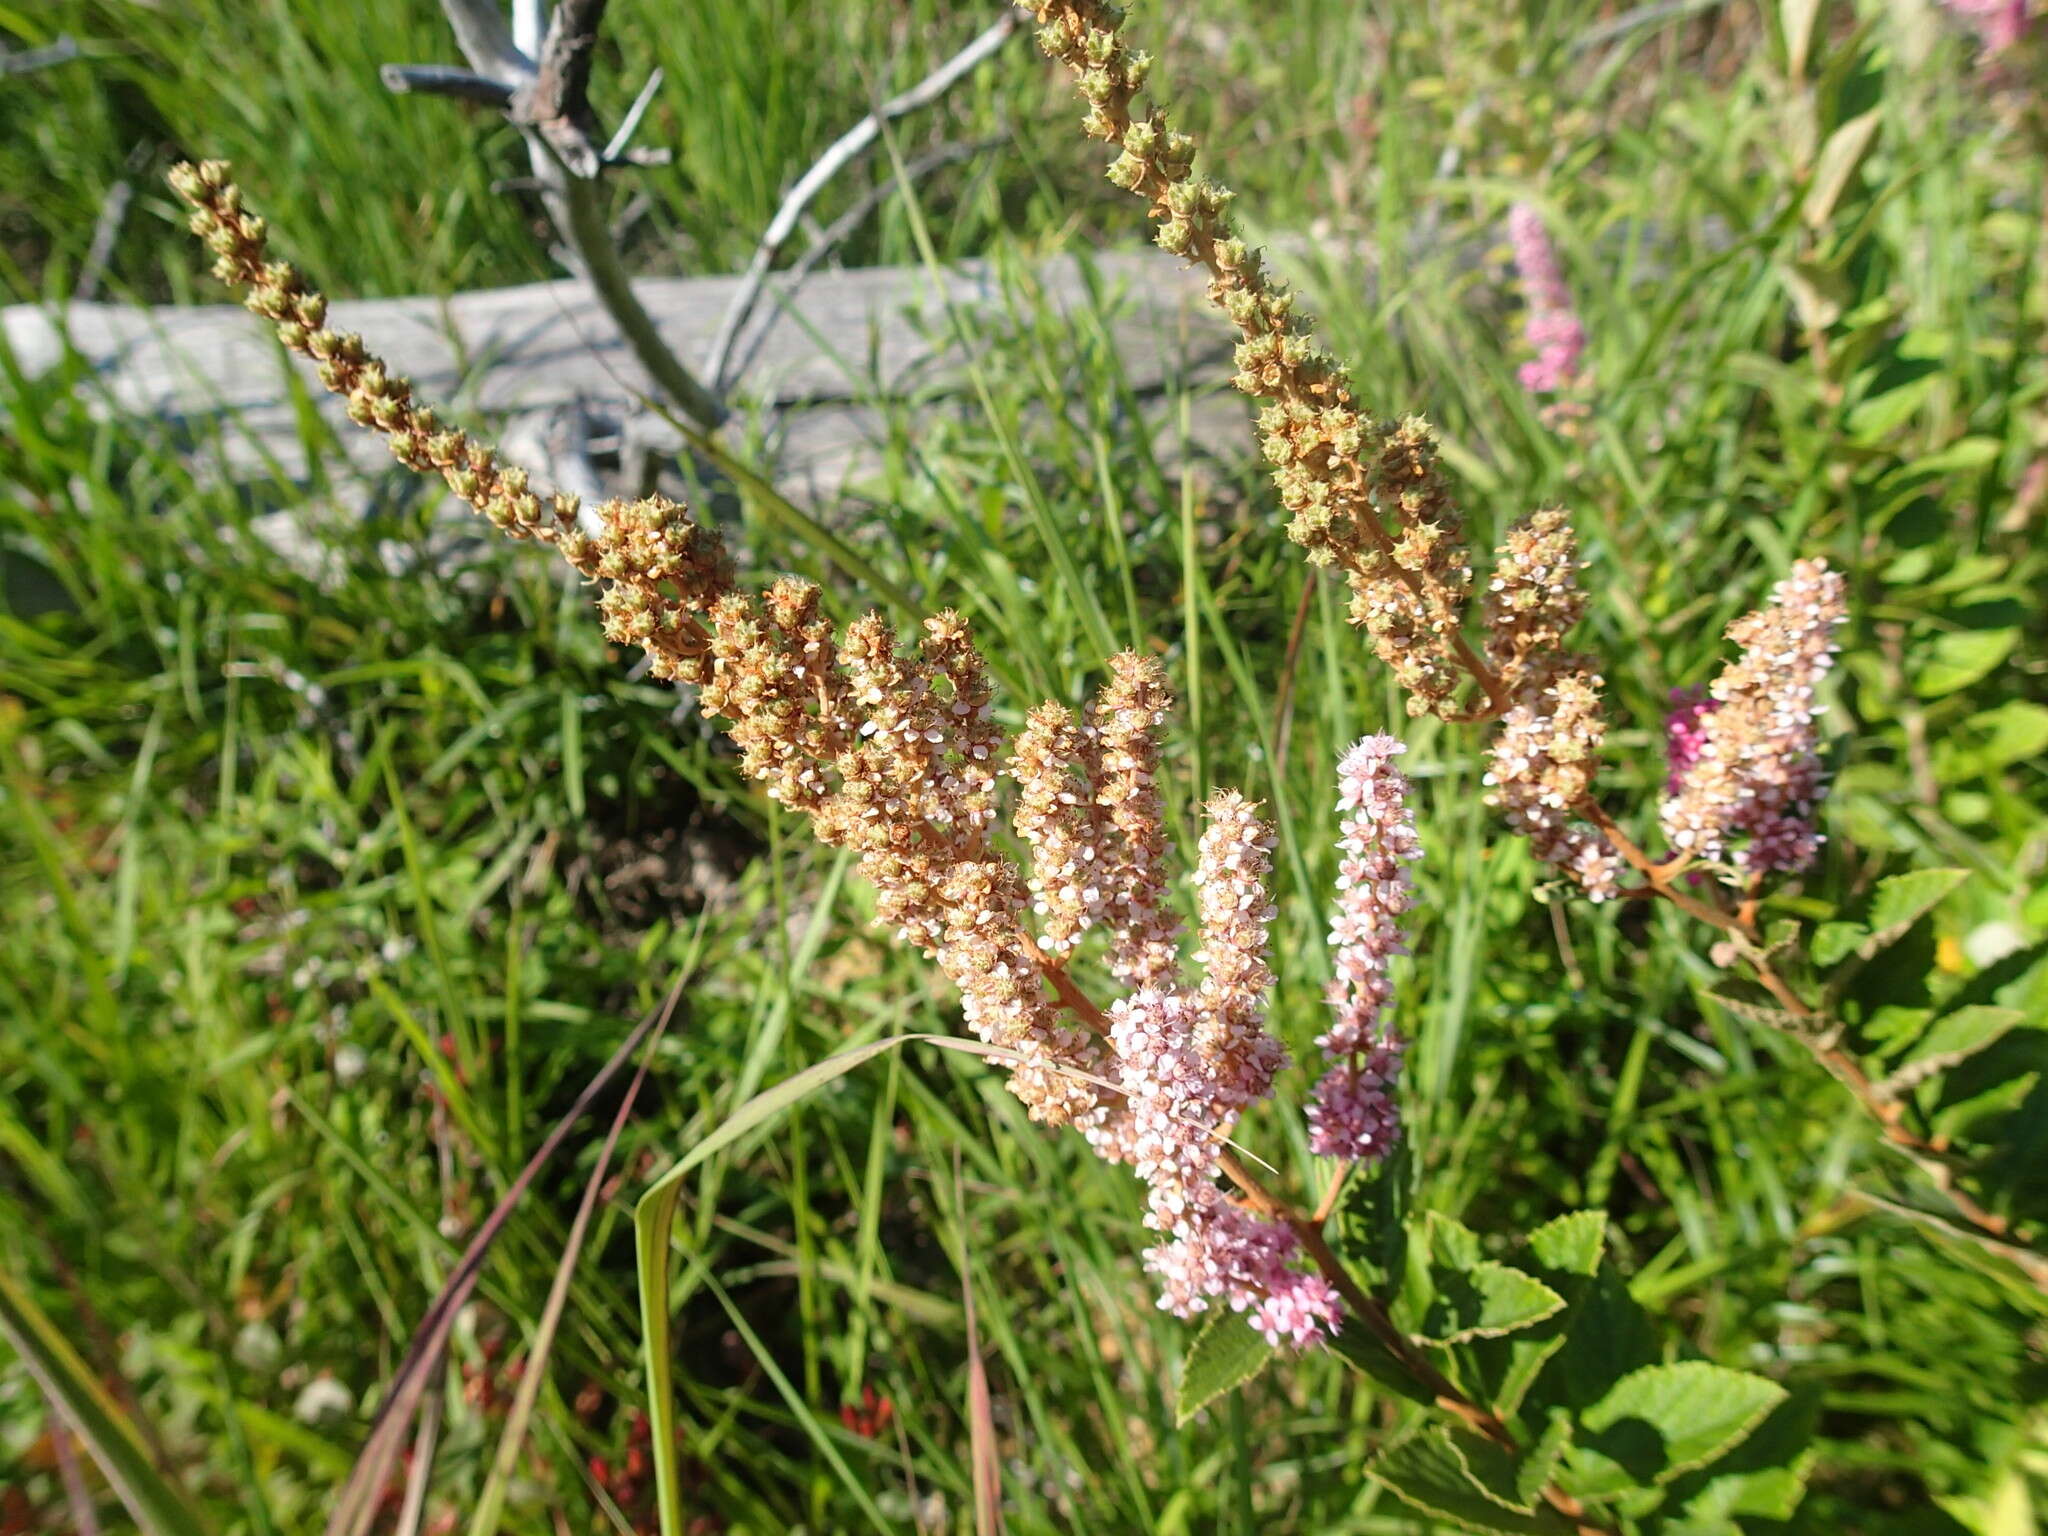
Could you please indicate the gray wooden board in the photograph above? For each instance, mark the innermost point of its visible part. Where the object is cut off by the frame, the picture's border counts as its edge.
(844, 340)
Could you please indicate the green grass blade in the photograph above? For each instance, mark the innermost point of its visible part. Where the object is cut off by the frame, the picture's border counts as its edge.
(159, 1507)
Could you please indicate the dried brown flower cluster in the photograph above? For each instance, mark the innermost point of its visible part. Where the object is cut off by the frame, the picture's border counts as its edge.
(1369, 495)
(1364, 494)
(889, 750)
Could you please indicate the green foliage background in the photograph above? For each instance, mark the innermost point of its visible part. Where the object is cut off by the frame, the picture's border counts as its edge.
(312, 912)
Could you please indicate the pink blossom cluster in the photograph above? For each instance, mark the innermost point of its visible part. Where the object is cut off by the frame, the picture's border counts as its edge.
(1175, 1113)
(1755, 772)
(1999, 24)
(1684, 733)
(1353, 1114)
(1553, 329)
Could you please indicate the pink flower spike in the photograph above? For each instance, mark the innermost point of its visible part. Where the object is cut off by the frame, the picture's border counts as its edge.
(1353, 1114)
(1553, 329)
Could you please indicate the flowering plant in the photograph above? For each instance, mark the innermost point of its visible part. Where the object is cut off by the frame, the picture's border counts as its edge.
(1553, 1403)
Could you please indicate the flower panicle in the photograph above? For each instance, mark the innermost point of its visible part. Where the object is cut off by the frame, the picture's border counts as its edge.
(1366, 495)
(1748, 780)
(1120, 749)
(1353, 1114)
(1553, 330)
(376, 397)
(1232, 874)
(891, 751)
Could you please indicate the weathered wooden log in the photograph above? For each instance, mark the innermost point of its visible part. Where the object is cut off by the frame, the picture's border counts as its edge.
(847, 341)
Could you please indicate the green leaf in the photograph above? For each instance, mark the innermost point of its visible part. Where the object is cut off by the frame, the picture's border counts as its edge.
(1606, 1335)
(1996, 738)
(1835, 165)
(1764, 1477)
(1872, 421)
(1963, 453)
(1451, 1242)
(1903, 900)
(1665, 1420)
(1958, 658)
(1539, 1467)
(1356, 1345)
(158, 1506)
(1950, 1039)
(1486, 1301)
(1496, 1474)
(1835, 942)
(1565, 1255)
(1426, 1471)
(1226, 1354)
(1572, 1243)
(1372, 1227)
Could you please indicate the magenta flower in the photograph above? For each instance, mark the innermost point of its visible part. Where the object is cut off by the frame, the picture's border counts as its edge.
(1684, 734)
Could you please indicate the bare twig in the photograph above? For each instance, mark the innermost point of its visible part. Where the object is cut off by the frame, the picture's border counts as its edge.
(844, 150)
(556, 101)
(106, 230)
(829, 238)
(545, 92)
(619, 148)
(445, 80)
(29, 60)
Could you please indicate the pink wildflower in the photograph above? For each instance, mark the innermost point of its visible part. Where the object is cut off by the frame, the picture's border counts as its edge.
(1553, 329)
(1684, 734)
(1999, 24)
(1354, 1115)
(1756, 770)
(1175, 1108)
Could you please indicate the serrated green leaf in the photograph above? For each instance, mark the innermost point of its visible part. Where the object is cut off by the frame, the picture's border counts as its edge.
(1662, 1421)
(1539, 1466)
(1835, 942)
(1358, 1348)
(1226, 1354)
(1426, 1471)
(1506, 1368)
(1950, 1039)
(1372, 1229)
(1495, 1473)
(1486, 1301)
(1564, 1254)
(1573, 1243)
(1902, 900)
(1452, 1244)
(1606, 1335)
(1764, 1477)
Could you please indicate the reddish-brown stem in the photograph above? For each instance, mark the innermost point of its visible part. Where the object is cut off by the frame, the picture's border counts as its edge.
(1885, 1110)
